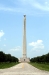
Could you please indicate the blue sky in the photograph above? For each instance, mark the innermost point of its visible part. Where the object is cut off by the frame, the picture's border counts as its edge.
(37, 26)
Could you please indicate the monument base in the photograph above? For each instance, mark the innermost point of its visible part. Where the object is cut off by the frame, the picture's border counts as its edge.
(24, 60)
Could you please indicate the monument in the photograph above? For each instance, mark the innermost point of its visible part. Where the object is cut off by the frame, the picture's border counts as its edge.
(24, 57)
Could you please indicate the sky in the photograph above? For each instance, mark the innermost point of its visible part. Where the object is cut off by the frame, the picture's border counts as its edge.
(37, 27)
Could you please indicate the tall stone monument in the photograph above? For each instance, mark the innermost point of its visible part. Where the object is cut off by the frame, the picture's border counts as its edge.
(24, 57)
(24, 38)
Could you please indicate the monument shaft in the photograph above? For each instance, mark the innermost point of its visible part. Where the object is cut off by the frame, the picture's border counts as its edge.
(24, 37)
(24, 58)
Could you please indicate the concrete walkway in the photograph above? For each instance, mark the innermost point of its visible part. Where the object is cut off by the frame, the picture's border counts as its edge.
(23, 69)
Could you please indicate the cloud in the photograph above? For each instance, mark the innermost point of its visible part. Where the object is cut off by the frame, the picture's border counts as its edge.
(38, 45)
(30, 7)
(4, 45)
(1, 48)
(14, 10)
(35, 4)
(46, 2)
(4, 39)
(1, 33)
(41, 7)
(0, 39)
(15, 49)
(9, 9)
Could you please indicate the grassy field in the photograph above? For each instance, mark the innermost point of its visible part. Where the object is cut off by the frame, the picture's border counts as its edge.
(7, 65)
(41, 66)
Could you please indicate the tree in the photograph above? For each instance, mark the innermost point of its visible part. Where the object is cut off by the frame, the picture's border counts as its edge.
(43, 58)
(2, 56)
(7, 58)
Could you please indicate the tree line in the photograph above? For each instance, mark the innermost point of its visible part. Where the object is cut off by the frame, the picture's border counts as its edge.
(43, 58)
(7, 57)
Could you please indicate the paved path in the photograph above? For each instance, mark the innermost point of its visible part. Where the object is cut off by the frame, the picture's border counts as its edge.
(23, 69)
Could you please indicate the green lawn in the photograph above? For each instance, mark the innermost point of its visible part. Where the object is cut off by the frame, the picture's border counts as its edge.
(41, 66)
(7, 65)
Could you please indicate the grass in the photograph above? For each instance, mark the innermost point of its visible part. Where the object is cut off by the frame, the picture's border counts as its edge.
(41, 66)
(7, 65)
